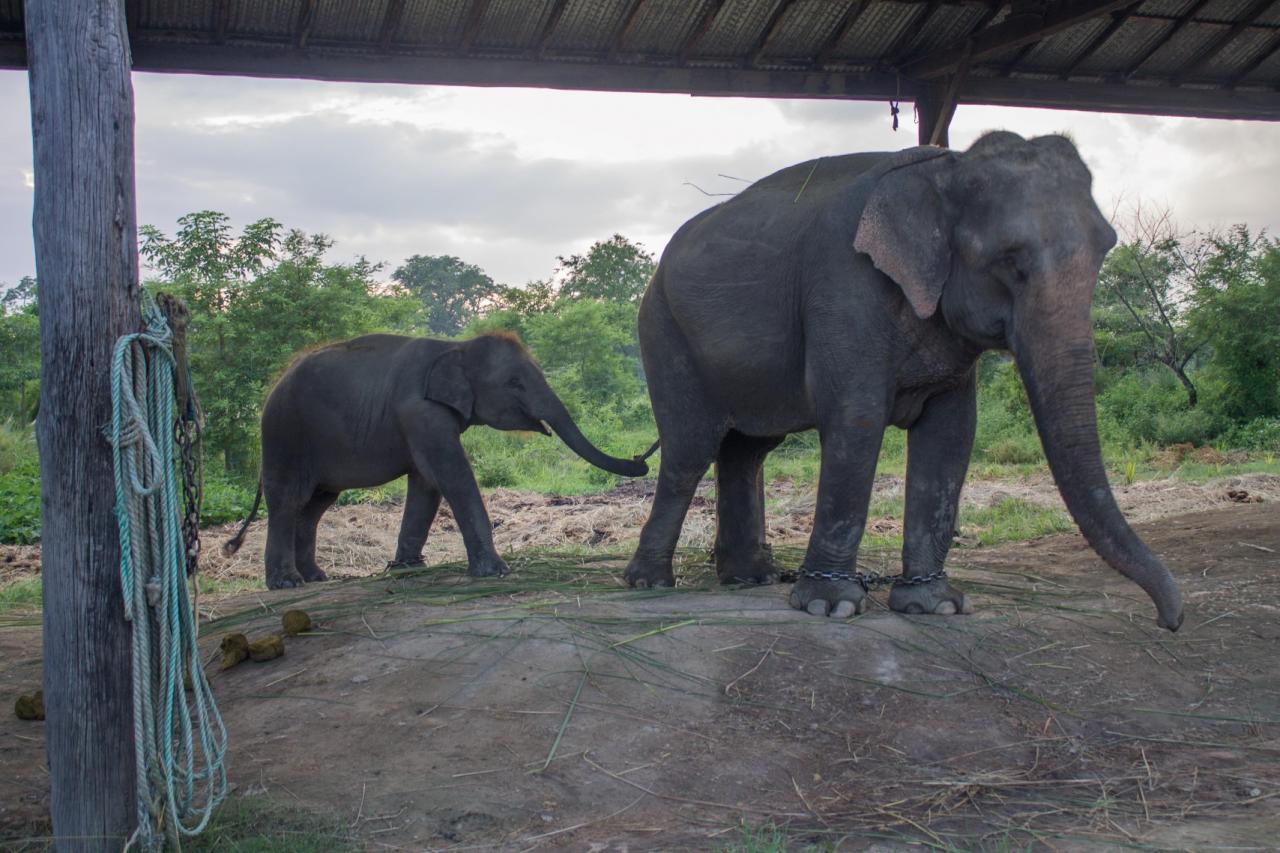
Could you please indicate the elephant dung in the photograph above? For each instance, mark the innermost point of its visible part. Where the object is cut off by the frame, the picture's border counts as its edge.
(268, 648)
(30, 707)
(295, 622)
(235, 648)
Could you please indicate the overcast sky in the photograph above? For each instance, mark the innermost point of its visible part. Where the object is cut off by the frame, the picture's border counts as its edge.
(510, 178)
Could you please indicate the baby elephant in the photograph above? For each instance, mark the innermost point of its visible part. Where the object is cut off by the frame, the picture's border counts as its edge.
(360, 413)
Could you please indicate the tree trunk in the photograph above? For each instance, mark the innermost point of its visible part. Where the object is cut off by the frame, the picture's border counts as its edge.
(86, 260)
(1192, 398)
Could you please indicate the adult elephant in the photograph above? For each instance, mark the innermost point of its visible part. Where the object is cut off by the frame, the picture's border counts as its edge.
(366, 411)
(850, 293)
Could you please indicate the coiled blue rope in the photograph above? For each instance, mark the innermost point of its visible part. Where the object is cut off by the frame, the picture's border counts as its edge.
(180, 741)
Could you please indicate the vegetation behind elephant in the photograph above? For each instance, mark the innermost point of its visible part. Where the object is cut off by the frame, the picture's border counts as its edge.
(854, 292)
(363, 412)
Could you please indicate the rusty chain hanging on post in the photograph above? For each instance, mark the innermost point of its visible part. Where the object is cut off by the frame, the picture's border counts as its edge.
(188, 428)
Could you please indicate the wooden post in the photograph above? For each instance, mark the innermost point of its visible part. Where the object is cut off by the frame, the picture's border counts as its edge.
(85, 231)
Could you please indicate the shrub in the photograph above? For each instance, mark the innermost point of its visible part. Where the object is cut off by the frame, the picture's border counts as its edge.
(20, 503)
(1257, 434)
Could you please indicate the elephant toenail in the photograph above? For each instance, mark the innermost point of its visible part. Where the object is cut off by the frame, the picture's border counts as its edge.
(946, 608)
(817, 607)
(843, 610)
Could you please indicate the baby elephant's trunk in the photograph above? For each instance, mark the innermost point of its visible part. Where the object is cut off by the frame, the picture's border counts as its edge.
(562, 424)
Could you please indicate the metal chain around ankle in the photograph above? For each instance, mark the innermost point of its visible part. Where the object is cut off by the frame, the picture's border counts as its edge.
(867, 580)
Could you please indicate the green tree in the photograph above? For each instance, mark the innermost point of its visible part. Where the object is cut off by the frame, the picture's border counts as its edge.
(615, 270)
(1142, 299)
(1236, 307)
(20, 350)
(452, 292)
(586, 347)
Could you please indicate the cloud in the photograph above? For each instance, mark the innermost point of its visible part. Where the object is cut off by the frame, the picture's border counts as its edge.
(509, 179)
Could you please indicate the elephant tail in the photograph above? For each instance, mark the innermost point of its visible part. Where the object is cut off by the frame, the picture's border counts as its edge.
(233, 544)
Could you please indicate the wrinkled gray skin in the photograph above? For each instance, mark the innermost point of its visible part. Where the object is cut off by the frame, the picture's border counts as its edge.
(363, 412)
(864, 300)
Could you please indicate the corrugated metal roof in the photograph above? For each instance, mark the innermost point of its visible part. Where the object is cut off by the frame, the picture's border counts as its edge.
(1158, 56)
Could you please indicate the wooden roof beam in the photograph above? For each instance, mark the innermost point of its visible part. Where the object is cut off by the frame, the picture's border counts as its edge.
(306, 20)
(842, 30)
(1015, 31)
(475, 19)
(219, 18)
(910, 31)
(700, 29)
(1118, 20)
(624, 29)
(1253, 65)
(1173, 30)
(391, 19)
(1205, 56)
(767, 34)
(549, 28)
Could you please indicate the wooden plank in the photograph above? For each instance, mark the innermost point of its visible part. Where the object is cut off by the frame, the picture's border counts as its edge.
(1164, 39)
(768, 32)
(700, 29)
(475, 18)
(1118, 20)
(1255, 63)
(1206, 54)
(85, 231)
(318, 64)
(1013, 32)
(391, 19)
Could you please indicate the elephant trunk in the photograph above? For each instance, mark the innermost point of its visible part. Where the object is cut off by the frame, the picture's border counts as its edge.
(557, 417)
(1057, 370)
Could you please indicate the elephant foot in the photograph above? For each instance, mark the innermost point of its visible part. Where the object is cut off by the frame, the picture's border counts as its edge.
(644, 573)
(819, 597)
(284, 580)
(406, 559)
(753, 568)
(312, 574)
(492, 566)
(935, 597)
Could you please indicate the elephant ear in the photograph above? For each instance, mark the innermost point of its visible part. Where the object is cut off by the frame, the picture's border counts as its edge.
(448, 384)
(905, 231)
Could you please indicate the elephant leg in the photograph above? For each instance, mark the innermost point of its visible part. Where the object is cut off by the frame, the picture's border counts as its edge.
(421, 503)
(440, 459)
(939, 445)
(850, 447)
(740, 531)
(690, 427)
(304, 535)
(283, 507)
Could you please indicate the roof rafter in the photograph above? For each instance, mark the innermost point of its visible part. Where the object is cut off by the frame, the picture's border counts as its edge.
(700, 29)
(475, 19)
(1015, 31)
(842, 29)
(623, 32)
(306, 20)
(910, 31)
(1173, 30)
(1118, 19)
(770, 30)
(1207, 54)
(219, 16)
(1255, 63)
(390, 23)
(549, 28)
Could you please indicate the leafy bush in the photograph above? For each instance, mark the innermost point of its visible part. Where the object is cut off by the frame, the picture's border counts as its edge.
(1015, 450)
(1257, 434)
(20, 503)
(226, 500)
(17, 445)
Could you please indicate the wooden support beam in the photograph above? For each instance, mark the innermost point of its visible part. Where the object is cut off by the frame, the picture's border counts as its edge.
(219, 20)
(85, 229)
(623, 33)
(475, 18)
(306, 20)
(1207, 54)
(1016, 31)
(391, 19)
(1118, 20)
(707, 18)
(1254, 63)
(549, 28)
(894, 53)
(936, 106)
(1173, 30)
(767, 34)
(847, 22)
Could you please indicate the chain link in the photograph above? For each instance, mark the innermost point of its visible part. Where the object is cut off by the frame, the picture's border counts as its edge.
(867, 580)
(187, 434)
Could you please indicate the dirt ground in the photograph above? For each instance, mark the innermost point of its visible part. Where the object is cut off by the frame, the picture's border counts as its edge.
(554, 710)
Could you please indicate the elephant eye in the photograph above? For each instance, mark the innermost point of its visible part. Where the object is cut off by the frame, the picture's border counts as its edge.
(1006, 268)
